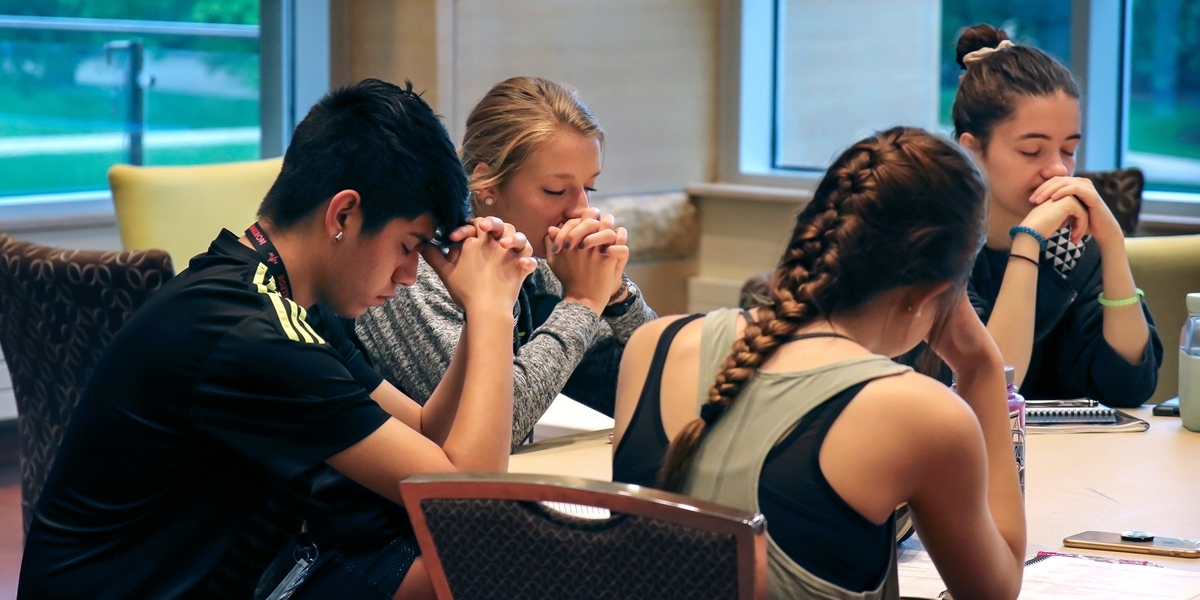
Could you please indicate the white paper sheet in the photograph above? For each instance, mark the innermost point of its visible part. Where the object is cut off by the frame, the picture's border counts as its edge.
(918, 577)
(1061, 577)
(565, 417)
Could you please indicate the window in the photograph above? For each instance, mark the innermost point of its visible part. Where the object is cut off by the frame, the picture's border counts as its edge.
(1164, 94)
(809, 76)
(846, 69)
(73, 102)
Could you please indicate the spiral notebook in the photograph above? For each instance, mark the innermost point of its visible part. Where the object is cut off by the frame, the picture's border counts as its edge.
(1078, 416)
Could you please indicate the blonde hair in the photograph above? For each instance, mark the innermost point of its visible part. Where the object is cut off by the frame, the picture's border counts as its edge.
(513, 120)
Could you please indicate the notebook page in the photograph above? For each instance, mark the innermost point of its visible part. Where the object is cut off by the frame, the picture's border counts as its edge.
(1061, 577)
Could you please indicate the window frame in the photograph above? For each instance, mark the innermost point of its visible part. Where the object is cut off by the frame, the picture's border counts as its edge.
(747, 42)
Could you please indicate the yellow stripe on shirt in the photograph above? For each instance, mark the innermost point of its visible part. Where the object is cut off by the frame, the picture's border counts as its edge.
(276, 301)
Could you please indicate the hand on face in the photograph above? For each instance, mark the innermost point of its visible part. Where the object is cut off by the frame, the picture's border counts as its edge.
(588, 255)
(964, 339)
(1048, 217)
(486, 270)
(1100, 221)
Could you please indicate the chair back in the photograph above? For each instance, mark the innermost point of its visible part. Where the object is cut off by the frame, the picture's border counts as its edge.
(1167, 268)
(181, 209)
(488, 535)
(58, 311)
(1121, 190)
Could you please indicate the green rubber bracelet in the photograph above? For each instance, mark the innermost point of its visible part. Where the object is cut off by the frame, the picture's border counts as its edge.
(1124, 302)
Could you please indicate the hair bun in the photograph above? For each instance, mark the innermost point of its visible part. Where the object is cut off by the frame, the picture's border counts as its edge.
(975, 38)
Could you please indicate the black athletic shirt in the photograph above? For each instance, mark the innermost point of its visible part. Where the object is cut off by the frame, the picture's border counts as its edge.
(216, 395)
(807, 518)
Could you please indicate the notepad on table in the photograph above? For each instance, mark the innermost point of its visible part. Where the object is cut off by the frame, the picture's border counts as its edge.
(1078, 416)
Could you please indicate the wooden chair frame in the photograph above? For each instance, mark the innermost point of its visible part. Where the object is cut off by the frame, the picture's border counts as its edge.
(748, 529)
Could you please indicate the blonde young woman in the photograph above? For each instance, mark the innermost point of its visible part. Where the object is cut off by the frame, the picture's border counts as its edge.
(1061, 305)
(803, 415)
(532, 153)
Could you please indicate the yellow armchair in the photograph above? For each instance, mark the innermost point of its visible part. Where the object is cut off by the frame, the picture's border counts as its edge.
(1167, 268)
(181, 209)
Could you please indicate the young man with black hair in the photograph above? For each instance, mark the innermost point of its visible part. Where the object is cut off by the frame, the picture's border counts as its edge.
(199, 435)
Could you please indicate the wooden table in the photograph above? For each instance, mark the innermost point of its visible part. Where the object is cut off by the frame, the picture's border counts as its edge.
(1073, 482)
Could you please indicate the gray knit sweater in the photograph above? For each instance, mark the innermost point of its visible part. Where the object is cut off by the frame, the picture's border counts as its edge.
(412, 338)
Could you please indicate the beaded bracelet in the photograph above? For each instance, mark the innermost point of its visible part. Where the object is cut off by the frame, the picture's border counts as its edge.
(1124, 302)
(1031, 261)
(1012, 233)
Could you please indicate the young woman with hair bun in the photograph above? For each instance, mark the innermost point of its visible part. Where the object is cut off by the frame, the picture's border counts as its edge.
(1053, 282)
(805, 417)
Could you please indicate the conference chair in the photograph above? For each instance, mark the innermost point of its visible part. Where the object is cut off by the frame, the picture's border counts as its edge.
(488, 535)
(1121, 190)
(181, 209)
(1167, 268)
(58, 310)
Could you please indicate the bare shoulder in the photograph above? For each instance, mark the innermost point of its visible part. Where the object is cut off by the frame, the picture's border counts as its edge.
(646, 337)
(922, 407)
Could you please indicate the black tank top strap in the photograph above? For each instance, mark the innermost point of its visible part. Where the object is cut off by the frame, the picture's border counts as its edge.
(644, 445)
(818, 334)
(747, 316)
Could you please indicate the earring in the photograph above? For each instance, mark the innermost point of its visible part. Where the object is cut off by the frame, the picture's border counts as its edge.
(489, 201)
(338, 237)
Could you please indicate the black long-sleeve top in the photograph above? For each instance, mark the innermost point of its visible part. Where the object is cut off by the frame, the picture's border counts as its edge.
(1071, 358)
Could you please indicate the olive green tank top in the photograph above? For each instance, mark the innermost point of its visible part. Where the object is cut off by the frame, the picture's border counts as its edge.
(730, 459)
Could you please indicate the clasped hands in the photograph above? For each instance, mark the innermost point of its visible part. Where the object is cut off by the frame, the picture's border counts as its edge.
(1072, 201)
(588, 255)
(486, 264)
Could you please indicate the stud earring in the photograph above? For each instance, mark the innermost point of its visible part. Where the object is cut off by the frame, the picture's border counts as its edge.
(489, 201)
(338, 237)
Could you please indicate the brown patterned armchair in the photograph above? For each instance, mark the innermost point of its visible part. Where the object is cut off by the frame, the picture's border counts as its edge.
(58, 310)
(497, 535)
(1121, 190)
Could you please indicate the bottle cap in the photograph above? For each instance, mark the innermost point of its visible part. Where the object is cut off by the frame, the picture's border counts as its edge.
(1193, 303)
(1010, 374)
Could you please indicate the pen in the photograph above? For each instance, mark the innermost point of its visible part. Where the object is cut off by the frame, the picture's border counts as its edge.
(1103, 559)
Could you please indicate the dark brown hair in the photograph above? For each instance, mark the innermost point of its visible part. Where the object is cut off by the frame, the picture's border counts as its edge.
(989, 89)
(900, 208)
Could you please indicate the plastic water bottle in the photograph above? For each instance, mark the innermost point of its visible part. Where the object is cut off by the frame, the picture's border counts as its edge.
(1016, 420)
(1189, 366)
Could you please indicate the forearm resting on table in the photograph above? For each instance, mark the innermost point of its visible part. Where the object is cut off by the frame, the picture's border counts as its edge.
(438, 414)
(481, 435)
(1012, 318)
(1125, 327)
(983, 389)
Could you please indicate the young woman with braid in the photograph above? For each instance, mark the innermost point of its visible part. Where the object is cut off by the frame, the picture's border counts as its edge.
(811, 423)
(1061, 305)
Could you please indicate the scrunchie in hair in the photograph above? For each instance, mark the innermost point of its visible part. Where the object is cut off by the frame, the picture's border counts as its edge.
(982, 53)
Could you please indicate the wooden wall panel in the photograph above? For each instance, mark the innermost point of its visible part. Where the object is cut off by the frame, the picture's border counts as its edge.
(392, 40)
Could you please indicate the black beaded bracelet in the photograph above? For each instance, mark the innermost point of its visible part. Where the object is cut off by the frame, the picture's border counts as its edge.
(1023, 257)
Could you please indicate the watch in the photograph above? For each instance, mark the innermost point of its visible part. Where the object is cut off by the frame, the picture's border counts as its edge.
(622, 307)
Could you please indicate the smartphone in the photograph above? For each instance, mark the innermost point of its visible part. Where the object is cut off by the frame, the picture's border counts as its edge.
(1167, 408)
(1160, 546)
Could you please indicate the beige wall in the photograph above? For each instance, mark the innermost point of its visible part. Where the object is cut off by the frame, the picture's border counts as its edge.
(647, 69)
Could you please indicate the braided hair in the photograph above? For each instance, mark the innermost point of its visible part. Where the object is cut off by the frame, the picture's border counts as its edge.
(900, 208)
